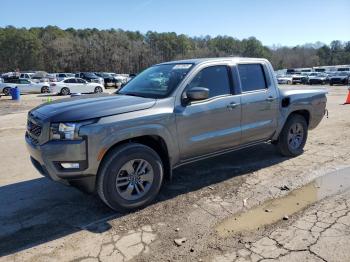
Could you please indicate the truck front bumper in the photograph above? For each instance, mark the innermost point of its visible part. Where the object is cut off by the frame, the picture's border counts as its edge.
(50, 160)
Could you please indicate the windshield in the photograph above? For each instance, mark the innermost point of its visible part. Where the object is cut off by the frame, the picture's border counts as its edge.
(105, 75)
(92, 75)
(157, 81)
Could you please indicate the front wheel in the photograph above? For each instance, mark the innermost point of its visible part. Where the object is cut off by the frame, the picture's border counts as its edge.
(45, 89)
(98, 89)
(293, 136)
(130, 177)
(65, 91)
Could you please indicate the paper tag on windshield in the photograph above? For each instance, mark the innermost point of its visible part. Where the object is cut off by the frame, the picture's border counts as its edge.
(182, 66)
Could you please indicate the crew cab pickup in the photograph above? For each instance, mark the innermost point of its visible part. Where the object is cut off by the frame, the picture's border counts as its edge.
(124, 145)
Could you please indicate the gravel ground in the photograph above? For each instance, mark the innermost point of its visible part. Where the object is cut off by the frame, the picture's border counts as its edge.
(44, 221)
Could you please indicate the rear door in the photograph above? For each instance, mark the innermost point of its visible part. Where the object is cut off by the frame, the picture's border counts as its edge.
(259, 102)
(71, 83)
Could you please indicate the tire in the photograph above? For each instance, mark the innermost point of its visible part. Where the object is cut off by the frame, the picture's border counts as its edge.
(7, 91)
(65, 91)
(293, 136)
(98, 89)
(330, 84)
(289, 82)
(45, 89)
(129, 156)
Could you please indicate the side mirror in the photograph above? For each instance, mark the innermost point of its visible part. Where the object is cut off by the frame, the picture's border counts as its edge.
(197, 93)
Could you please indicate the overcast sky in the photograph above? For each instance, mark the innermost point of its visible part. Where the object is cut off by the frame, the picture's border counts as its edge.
(282, 22)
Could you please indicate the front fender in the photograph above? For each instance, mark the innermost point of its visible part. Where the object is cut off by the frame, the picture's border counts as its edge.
(144, 130)
(109, 131)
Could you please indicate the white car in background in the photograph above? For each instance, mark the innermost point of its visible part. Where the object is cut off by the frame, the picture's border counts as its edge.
(75, 85)
(25, 86)
(285, 79)
(26, 75)
(63, 76)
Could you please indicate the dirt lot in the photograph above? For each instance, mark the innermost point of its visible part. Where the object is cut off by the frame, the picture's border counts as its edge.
(250, 205)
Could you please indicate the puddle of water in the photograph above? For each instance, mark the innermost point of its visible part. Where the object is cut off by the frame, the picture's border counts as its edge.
(295, 201)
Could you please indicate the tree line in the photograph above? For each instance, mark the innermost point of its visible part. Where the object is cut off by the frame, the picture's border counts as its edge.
(53, 49)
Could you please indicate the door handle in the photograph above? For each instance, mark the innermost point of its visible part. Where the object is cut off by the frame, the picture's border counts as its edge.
(270, 99)
(232, 105)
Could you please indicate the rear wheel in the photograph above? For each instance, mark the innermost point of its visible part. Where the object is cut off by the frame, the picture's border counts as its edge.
(45, 89)
(130, 177)
(7, 91)
(98, 89)
(65, 91)
(289, 82)
(293, 136)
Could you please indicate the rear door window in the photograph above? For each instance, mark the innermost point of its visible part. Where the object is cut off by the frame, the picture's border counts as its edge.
(252, 77)
(70, 81)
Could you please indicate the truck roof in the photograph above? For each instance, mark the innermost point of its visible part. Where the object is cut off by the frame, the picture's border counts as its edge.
(215, 59)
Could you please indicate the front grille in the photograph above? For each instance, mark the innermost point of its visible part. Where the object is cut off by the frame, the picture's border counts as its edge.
(32, 139)
(33, 129)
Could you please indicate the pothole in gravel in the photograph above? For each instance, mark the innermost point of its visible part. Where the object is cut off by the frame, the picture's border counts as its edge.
(276, 209)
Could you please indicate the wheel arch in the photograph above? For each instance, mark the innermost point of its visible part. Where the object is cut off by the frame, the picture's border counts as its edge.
(156, 142)
(303, 112)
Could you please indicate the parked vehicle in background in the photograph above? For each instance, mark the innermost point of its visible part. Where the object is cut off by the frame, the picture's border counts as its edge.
(25, 86)
(26, 75)
(75, 85)
(40, 76)
(285, 79)
(300, 78)
(340, 78)
(90, 77)
(63, 76)
(343, 68)
(52, 77)
(124, 145)
(316, 78)
(122, 78)
(109, 80)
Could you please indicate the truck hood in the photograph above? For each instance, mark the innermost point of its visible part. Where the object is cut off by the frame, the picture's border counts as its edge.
(90, 106)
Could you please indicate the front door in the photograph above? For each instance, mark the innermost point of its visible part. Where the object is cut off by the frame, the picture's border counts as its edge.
(213, 124)
(25, 86)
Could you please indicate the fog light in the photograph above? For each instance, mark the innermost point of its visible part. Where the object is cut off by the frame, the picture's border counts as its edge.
(70, 165)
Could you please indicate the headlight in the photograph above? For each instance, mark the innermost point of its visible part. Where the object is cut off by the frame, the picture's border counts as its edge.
(67, 131)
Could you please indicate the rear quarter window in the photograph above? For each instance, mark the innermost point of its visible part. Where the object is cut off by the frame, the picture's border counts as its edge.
(252, 77)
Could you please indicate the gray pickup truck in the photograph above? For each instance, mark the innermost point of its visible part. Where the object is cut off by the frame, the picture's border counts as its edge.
(124, 145)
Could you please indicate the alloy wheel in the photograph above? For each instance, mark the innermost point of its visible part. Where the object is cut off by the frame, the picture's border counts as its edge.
(134, 179)
(295, 136)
